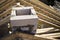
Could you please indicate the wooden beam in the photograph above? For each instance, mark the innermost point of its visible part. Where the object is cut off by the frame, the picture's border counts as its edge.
(44, 11)
(2, 1)
(7, 4)
(5, 16)
(44, 6)
(22, 36)
(29, 4)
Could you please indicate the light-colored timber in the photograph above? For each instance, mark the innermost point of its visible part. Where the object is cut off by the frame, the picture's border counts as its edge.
(33, 37)
(5, 7)
(48, 35)
(49, 20)
(7, 4)
(29, 4)
(43, 6)
(44, 11)
(23, 36)
(46, 16)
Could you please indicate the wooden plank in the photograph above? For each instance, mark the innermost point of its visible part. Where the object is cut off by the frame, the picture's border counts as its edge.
(32, 37)
(47, 18)
(5, 16)
(46, 30)
(49, 36)
(26, 3)
(24, 36)
(1, 1)
(44, 11)
(3, 21)
(6, 12)
(40, 13)
(44, 17)
(8, 4)
(44, 6)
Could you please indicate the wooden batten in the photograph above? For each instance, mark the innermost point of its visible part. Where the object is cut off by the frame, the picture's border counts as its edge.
(49, 19)
(22, 36)
(44, 11)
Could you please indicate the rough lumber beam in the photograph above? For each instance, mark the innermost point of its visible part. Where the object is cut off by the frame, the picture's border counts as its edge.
(51, 20)
(2, 1)
(22, 36)
(53, 25)
(50, 36)
(6, 19)
(6, 5)
(37, 8)
(5, 13)
(44, 11)
(49, 30)
(29, 4)
(44, 17)
(5, 16)
(44, 6)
